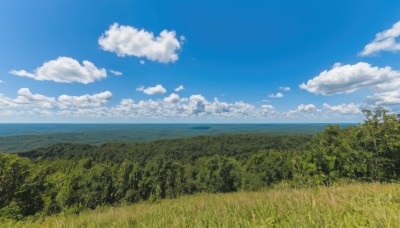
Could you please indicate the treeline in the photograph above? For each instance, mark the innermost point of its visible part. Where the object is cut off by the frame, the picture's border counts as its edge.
(69, 178)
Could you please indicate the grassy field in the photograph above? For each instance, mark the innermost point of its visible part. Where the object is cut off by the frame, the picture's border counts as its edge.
(353, 205)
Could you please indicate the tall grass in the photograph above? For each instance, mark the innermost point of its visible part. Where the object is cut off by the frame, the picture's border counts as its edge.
(353, 205)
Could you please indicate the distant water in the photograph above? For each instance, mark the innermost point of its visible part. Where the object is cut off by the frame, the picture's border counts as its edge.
(22, 137)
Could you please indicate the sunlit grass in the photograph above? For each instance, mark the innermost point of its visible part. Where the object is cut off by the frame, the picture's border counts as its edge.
(354, 205)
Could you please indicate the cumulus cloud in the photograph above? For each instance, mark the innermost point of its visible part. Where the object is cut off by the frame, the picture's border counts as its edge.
(385, 98)
(218, 107)
(172, 98)
(278, 95)
(384, 41)
(384, 83)
(158, 89)
(197, 104)
(86, 100)
(267, 110)
(65, 70)
(25, 97)
(303, 110)
(350, 108)
(173, 106)
(349, 78)
(284, 88)
(28, 103)
(116, 73)
(130, 41)
(179, 88)
(306, 107)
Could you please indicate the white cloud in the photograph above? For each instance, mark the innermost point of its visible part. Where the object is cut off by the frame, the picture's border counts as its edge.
(179, 88)
(284, 88)
(351, 108)
(1, 81)
(337, 65)
(243, 110)
(25, 97)
(278, 95)
(27, 103)
(385, 98)
(86, 100)
(306, 107)
(384, 41)
(142, 62)
(6, 102)
(197, 104)
(87, 112)
(218, 107)
(141, 109)
(383, 82)
(116, 73)
(172, 98)
(65, 70)
(349, 78)
(173, 106)
(268, 109)
(130, 41)
(304, 110)
(158, 89)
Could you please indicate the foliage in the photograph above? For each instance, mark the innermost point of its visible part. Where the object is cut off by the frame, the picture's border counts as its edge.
(72, 177)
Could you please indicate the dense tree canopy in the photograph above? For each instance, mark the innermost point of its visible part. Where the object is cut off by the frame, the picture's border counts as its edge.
(73, 177)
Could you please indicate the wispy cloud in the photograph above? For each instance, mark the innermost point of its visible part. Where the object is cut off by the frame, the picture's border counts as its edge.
(384, 41)
(284, 88)
(277, 95)
(116, 73)
(179, 88)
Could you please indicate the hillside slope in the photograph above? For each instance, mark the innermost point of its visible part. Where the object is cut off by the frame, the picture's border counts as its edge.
(353, 205)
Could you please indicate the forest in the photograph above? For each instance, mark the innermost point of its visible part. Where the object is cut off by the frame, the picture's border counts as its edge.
(70, 178)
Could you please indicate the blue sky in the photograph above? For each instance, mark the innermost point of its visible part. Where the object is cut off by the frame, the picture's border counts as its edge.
(238, 52)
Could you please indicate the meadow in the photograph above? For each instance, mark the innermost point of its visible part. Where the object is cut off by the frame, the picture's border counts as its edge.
(342, 205)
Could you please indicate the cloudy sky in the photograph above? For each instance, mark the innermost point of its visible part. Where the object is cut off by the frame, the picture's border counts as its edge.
(198, 61)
